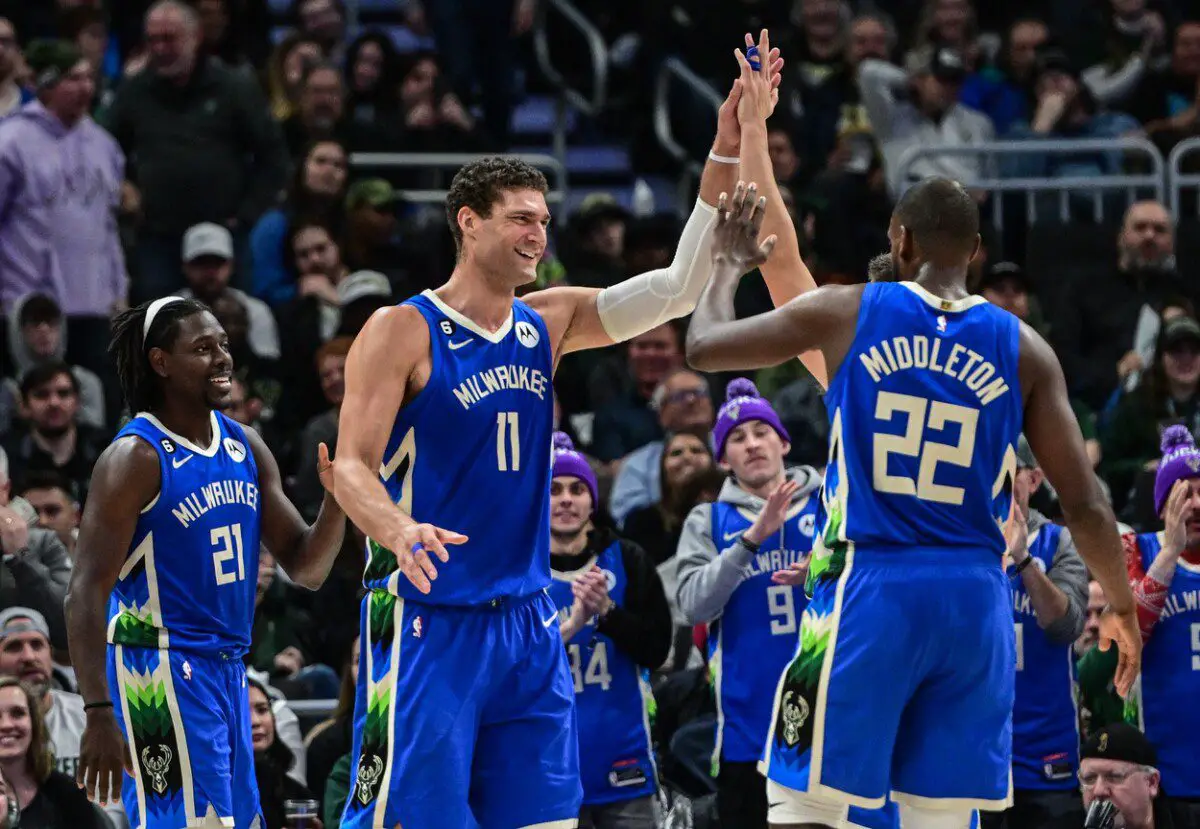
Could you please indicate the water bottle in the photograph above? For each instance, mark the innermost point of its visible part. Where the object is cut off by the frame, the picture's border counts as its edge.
(300, 814)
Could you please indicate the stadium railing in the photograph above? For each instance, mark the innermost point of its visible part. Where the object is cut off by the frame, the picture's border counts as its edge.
(1179, 180)
(448, 164)
(568, 96)
(674, 71)
(1055, 198)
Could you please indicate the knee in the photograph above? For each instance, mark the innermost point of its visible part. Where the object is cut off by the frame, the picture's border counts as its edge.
(918, 817)
(790, 808)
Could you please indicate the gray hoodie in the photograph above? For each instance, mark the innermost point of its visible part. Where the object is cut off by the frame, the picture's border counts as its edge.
(705, 576)
(91, 390)
(1069, 574)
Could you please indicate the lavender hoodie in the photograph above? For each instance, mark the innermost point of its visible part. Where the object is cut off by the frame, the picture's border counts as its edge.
(59, 192)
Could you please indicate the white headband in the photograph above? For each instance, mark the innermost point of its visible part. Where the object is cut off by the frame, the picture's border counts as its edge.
(152, 312)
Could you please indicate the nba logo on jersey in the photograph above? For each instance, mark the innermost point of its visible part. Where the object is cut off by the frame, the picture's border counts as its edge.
(417, 627)
(941, 324)
(527, 335)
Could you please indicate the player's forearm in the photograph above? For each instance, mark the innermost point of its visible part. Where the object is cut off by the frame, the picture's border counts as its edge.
(86, 609)
(308, 563)
(720, 176)
(1094, 529)
(365, 500)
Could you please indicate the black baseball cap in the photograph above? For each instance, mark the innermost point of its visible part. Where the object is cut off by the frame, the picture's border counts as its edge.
(944, 62)
(1179, 330)
(999, 272)
(1055, 60)
(1120, 741)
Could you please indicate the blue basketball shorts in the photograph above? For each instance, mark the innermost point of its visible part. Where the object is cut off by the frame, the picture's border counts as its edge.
(186, 718)
(902, 684)
(464, 717)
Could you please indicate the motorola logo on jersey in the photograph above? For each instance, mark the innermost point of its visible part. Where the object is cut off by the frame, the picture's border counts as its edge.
(807, 523)
(527, 335)
(610, 578)
(235, 449)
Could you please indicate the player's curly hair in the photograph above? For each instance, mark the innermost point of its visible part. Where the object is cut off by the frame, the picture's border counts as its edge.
(140, 385)
(478, 185)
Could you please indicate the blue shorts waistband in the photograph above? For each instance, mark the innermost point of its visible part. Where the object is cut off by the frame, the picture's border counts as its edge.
(898, 556)
(498, 604)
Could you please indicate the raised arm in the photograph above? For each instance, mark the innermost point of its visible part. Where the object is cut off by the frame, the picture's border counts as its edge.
(1054, 436)
(125, 479)
(385, 356)
(785, 273)
(583, 318)
(305, 553)
(716, 341)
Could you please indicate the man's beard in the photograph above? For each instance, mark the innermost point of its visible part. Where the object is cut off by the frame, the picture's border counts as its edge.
(1156, 263)
(53, 432)
(882, 268)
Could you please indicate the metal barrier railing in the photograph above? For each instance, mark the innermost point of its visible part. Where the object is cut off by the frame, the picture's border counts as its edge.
(1065, 191)
(674, 69)
(556, 171)
(590, 105)
(1178, 179)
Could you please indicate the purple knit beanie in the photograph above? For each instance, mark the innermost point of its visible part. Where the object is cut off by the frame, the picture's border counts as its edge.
(1180, 461)
(742, 404)
(570, 464)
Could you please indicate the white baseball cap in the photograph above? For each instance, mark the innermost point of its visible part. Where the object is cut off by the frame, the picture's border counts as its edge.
(207, 239)
(362, 284)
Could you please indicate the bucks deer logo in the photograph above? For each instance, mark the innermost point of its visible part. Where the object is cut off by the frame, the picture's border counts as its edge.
(795, 712)
(369, 772)
(156, 765)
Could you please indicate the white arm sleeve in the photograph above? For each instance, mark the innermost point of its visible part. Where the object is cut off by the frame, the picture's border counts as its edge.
(649, 299)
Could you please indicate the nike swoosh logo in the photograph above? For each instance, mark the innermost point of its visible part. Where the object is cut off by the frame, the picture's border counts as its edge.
(178, 462)
(546, 623)
(458, 345)
(733, 535)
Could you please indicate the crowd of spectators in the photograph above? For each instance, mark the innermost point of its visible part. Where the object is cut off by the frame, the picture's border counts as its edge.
(203, 147)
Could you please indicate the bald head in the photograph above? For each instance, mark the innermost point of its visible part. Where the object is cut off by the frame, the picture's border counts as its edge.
(172, 36)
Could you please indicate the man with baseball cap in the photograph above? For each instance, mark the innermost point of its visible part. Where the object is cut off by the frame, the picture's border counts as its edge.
(616, 625)
(1119, 765)
(208, 265)
(368, 242)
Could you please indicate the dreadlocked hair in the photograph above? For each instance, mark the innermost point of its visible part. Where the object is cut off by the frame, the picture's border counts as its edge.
(139, 384)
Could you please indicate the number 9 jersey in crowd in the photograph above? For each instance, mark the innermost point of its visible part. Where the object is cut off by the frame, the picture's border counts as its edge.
(179, 625)
(910, 616)
(464, 711)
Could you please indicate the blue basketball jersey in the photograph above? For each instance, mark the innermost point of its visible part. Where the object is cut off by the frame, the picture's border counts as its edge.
(1170, 679)
(1045, 719)
(192, 570)
(924, 411)
(471, 453)
(755, 637)
(612, 698)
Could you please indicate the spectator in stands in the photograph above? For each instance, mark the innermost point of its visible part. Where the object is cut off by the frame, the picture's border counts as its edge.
(316, 194)
(325, 22)
(87, 28)
(47, 797)
(59, 191)
(307, 492)
(820, 81)
(289, 61)
(369, 238)
(12, 94)
(1100, 334)
(332, 739)
(194, 127)
(208, 265)
(656, 527)
(1132, 40)
(594, 253)
(321, 115)
(360, 295)
(920, 107)
(949, 23)
(218, 39)
(434, 117)
(1119, 765)
(1167, 100)
(372, 77)
(36, 335)
(25, 655)
(616, 614)
(272, 762)
(1168, 393)
(244, 407)
(683, 404)
(58, 511)
(1099, 703)
(1004, 92)
(34, 566)
(257, 377)
(54, 439)
(277, 638)
(625, 417)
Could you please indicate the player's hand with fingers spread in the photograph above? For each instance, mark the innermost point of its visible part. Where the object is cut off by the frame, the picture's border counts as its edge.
(794, 575)
(736, 248)
(759, 87)
(103, 757)
(417, 542)
(773, 514)
(1121, 630)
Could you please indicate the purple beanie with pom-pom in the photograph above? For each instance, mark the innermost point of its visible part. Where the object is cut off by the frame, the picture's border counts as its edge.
(743, 404)
(1180, 461)
(570, 464)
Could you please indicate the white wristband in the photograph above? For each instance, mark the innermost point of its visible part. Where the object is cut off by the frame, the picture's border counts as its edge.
(723, 159)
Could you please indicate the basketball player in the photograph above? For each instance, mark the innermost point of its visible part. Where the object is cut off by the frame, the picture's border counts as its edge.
(161, 598)
(910, 616)
(464, 709)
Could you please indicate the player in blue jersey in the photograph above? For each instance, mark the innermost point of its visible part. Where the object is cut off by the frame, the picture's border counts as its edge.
(465, 700)
(909, 616)
(1049, 585)
(161, 598)
(616, 625)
